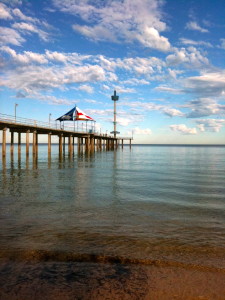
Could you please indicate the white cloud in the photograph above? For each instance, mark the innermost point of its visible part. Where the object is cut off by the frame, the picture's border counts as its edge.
(96, 33)
(135, 81)
(212, 125)
(168, 90)
(60, 57)
(105, 87)
(172, 112)
(122, 90)
(18, 13)
(108, 21)
(192, 25)
(25, 58)
(191, 57)
(141, 66)
(144, 106)
(173, 73)
(10, 36)
(112, 76)
(151, 38)
(86, 88)
(141, 131)
(182, 128)
(32, 78)
(108, 64)
(124, 118)
(195, 43)
(50, 99)
(26, 28)
(4, 12)
(201, 127)
(204, 107)
(207, 84)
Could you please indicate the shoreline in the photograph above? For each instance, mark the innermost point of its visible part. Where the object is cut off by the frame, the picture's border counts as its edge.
(30, 280)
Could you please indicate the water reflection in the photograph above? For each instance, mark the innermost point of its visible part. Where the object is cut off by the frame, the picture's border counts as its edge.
(35, 161)
(144, 203)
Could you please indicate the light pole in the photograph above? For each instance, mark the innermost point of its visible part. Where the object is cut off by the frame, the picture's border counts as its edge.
(114, 98)
(49, 119)
(15, 110)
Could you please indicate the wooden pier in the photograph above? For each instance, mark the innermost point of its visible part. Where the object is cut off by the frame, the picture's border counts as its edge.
(89, 140)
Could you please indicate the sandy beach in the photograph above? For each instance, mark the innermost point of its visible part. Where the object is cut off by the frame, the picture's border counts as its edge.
(85, 280)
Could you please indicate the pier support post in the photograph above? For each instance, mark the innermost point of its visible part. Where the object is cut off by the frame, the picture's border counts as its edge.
(27, 142)
(64, 145)
(4, 142)
(12, 143)
(130, 143)
(34, 142)
(92, 144)
(112, 144)
(60, 144)
(19, 144)
(88, 143)
(122, 143)
(49, 143)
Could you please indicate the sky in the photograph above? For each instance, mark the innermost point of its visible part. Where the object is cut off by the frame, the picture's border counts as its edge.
(165, 59)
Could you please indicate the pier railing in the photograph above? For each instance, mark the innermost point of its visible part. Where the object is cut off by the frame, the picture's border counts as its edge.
(76, 126)
(83, 127)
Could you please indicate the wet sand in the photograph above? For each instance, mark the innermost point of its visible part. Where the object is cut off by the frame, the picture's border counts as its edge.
(54, 280)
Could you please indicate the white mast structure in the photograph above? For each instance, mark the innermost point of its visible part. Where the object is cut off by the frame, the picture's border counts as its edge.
(114, 98)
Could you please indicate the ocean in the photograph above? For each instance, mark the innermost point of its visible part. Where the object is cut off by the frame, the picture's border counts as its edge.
(140, 223)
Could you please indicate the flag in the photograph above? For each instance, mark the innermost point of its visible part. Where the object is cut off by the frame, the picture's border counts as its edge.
(68, 116)
(81, 116)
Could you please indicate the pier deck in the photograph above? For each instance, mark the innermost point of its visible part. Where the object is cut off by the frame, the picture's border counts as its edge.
(88, 137)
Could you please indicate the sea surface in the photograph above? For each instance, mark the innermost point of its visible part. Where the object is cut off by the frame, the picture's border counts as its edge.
(148, 205)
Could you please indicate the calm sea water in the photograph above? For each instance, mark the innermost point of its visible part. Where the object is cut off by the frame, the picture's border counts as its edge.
(148, 204)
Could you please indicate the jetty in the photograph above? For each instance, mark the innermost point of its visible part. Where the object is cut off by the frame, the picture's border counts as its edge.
(86, 138)
(82, 137)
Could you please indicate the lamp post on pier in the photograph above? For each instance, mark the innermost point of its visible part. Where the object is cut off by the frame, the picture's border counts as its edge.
(49, 119)
(15, 110)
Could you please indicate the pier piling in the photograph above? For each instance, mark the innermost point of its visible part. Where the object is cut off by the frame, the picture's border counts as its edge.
(4, 142)
(27, 142)
(12, 143)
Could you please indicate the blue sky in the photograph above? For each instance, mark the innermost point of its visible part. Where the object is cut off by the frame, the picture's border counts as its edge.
(166, 59)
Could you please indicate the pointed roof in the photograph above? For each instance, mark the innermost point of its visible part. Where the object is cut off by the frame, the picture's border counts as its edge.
(68, 116)
(81, 116)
